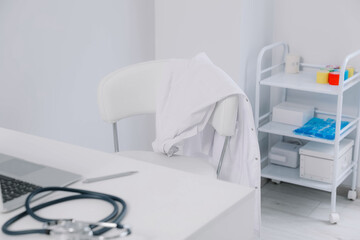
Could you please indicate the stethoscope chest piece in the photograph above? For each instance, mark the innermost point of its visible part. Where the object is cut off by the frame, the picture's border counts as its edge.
(69, 230)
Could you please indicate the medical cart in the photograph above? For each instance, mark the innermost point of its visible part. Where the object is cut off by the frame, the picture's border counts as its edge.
(305, 81)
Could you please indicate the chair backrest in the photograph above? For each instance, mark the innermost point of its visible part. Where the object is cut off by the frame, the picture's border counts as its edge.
(132, 90)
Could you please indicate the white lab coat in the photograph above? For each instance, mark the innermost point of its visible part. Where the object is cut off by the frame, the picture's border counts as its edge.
(185, 104)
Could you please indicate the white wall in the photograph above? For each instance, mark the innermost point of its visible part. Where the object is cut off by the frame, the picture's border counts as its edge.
(231, 32)
(257, 26)
(322, 32)
(184, 28)
(53, 55)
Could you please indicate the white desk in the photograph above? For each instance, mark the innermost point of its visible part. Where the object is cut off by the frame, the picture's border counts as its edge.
(163, 204)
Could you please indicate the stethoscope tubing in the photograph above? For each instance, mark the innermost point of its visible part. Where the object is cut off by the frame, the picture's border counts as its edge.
(115, 216)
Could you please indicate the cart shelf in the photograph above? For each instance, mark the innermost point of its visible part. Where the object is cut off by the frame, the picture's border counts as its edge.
(292, 175)
(287, 130)
(304, 80)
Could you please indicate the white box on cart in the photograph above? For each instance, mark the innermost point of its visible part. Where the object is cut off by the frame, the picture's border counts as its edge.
(317, 160)
(292, 113)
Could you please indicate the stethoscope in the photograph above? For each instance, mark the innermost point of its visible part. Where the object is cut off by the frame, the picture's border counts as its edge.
(69, 228)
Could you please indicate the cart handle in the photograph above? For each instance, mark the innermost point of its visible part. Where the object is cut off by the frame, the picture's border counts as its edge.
(343, 68)
(267, 48)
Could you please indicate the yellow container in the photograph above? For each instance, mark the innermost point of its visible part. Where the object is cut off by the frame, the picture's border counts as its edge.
(322, 76)
(351, 71)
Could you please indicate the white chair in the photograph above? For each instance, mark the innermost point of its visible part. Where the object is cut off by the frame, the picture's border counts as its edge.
(132, 91)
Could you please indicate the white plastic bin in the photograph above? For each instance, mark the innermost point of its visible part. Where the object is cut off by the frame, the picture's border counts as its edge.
(317, 160)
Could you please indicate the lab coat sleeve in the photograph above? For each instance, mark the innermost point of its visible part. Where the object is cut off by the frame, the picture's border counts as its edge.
(186, 102)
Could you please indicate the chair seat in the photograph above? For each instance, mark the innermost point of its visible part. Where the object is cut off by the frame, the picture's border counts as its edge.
(195, 165)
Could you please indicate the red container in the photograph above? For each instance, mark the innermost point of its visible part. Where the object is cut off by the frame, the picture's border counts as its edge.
(334, 78)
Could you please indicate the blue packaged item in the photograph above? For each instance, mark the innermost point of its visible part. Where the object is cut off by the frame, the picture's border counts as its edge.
(320, 128)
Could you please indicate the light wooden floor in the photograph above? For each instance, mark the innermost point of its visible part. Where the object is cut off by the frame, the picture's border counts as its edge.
(292, 212)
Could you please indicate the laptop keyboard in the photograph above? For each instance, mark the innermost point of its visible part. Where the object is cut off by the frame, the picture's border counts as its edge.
(12, 188)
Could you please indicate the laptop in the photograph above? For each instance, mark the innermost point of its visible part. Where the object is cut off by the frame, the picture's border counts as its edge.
(18, 178)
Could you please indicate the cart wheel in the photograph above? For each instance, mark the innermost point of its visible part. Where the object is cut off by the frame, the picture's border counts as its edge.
(352, 195)
(275, 181)
(334, 218)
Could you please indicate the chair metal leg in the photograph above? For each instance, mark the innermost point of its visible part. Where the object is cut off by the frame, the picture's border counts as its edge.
(116, 139)
(222, 156)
